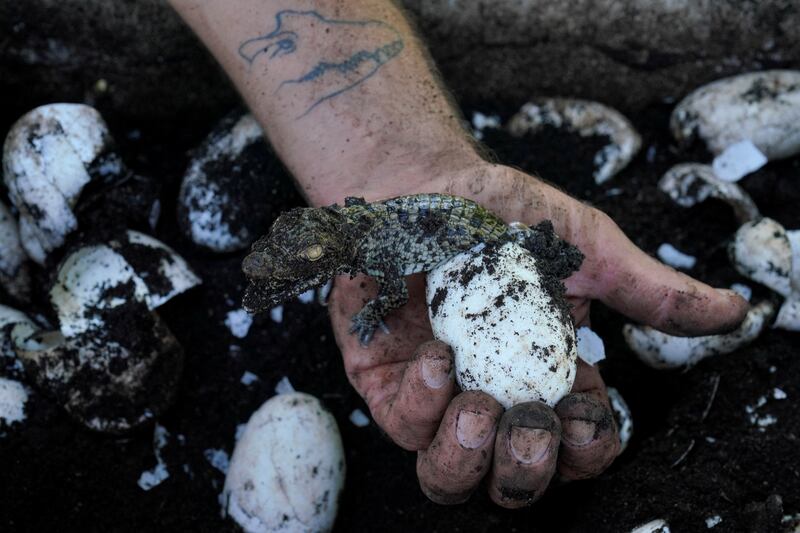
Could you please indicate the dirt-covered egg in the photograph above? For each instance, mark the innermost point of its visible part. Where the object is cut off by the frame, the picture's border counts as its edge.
(231, 185)
(49, 156)
(762, 107)
(586, 118)
(507, 323)
(287, 469)
(113, 363)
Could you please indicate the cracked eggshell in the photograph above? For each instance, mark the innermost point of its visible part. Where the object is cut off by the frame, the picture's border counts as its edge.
(689, 184)
(14, 275)
(114, 364)
(287, 469)
(763, 107)
(587, 119)
(165, 273)
(512, 336)
(622, 416)
(232, 187)
(660, 350)
(15, 326)
(761, 251)
(46, 160)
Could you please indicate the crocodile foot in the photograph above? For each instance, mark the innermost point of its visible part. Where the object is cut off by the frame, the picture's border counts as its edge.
(364, 324)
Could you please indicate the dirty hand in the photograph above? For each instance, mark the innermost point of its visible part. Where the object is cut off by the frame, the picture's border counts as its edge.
(407, 378)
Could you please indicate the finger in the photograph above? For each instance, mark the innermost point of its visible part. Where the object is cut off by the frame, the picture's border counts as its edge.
(461, 452)
(412, 415)
(652, 293)
(525, 454)
(589, 440)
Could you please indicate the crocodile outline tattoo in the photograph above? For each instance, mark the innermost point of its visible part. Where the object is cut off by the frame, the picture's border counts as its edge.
(332, 55)
(387, 240)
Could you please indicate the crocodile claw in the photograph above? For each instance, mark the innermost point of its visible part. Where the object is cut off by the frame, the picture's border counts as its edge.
(364, 327)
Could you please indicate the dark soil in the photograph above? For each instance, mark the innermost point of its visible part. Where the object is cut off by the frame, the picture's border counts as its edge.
(681, 466)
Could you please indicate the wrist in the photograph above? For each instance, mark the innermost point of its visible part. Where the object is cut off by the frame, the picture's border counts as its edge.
(398, 175)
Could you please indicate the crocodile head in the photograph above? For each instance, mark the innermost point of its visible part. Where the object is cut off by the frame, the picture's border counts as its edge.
(304, 248)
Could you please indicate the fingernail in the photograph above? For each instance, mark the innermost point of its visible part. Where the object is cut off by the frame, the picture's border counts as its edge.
(473, 429)
(731, 294)
(529, 445)
(578, 432)
(436, 372)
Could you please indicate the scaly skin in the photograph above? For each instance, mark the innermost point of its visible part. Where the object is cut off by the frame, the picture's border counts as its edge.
(387, 240)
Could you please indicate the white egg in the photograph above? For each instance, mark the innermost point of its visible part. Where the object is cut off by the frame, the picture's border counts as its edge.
(587, 119)
(661, 350)
(762, 107)
(287, 469)
(511, 336)
(689, 184)
(46, 164)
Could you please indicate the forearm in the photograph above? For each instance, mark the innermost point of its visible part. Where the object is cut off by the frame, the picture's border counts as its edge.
(343, 89)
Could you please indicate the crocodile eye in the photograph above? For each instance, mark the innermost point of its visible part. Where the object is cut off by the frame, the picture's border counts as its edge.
(312, 253)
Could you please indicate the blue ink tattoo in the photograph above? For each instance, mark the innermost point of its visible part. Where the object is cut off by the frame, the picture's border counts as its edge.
(339, 68)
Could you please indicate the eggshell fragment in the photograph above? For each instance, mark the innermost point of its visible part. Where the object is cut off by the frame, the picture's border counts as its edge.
(287, 469)
(763, 107)
(165, 273)
(761, 251)
(587, 119)
(14, 326)
(511, 335)
(13, 397)
(689, 184)
(622, 416)
(46, 163)
(660, 350)
(654, 526)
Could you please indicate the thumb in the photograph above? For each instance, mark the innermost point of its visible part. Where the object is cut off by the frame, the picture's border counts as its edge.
(652, 293)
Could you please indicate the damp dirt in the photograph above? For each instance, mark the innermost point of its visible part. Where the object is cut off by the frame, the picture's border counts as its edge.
(697, 451)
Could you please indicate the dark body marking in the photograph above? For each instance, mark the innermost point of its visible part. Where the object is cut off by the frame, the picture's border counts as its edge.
(317, 44)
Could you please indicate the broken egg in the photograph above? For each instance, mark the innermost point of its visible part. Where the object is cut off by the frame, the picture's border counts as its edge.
(622, 416)
(689, 184)
(113, 363)
(661, 350)
(507, 323)
(287, 469)
(762, 107)
(587, 119)
(761, 251)
(15, 326)
(229, 186)
(766, 252)
(49, 156)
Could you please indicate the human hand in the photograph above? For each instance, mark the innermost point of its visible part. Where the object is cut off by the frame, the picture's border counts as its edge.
(407, 378)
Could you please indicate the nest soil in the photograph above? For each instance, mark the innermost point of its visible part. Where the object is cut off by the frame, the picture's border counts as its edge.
(696, 451)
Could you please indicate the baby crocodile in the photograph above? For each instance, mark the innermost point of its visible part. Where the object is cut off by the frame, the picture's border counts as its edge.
(387, 240)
